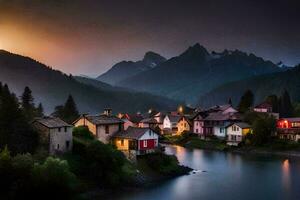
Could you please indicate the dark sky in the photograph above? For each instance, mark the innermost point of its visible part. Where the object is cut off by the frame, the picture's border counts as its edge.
(89, 36)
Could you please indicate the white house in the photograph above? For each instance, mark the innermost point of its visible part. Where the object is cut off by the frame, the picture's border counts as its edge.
(236, 133)
(103, 126)
(55, 134)
(170, 123)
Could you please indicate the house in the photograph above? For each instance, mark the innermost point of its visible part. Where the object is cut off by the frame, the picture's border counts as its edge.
(55, 134)
(133, 120)
(149, 123)
(103, 126)
(214, 122)
(225, 109)
(170, 124)
(236, 132)
(288, 128)
(184, 124)
(267, 108)
(136, 141)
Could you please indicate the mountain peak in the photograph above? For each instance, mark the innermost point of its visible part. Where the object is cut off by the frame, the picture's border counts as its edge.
(196, 51)
(152, 59)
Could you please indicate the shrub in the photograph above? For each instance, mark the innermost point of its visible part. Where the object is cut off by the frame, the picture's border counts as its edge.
(82, 132)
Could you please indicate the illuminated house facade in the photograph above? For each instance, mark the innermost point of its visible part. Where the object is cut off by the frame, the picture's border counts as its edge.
(136, 141)
(236, 133)
(289, 128)
(103, 126)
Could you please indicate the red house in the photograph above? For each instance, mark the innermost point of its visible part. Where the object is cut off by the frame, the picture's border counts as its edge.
(289, 128)
(136, 141)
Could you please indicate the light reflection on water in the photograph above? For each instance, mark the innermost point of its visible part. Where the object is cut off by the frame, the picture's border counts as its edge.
(227, 176)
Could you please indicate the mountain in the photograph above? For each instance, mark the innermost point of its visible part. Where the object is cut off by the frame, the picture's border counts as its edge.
(51, 87)
(261, 86)
(196, 72)
(126, 69)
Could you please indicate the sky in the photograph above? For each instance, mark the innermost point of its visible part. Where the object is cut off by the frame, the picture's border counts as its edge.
(89, 36)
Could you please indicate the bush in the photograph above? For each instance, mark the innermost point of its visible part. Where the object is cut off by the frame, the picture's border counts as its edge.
(82, 132)
(53, 179)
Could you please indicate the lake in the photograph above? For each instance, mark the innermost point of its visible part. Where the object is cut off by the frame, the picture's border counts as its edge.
(221, 175)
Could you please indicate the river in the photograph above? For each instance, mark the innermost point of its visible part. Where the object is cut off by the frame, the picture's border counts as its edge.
(227, 176)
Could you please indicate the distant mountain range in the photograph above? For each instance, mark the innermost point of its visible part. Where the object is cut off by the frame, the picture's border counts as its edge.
(51, 87)
(261, 86)
(192, 74)
(126, 69)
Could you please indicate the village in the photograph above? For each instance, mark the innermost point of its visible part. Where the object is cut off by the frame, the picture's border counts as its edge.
(139, 134)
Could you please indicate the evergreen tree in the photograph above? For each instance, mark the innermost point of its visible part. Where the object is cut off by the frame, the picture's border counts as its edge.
(274, 101)
(15, 132)
(70, 110)
(285, 105)
(246, 101)
(40, 110)
(230, 101)
(27, 103)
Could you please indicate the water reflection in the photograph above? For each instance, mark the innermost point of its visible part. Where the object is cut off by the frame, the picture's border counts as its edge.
(286, 177)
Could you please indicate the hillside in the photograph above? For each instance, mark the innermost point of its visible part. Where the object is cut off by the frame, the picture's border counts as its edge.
(261, 86)
(51, 87)
(196, 72)
(126, 69)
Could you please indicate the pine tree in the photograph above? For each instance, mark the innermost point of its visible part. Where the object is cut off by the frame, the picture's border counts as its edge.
(27, 103)
(229, 101)
(274, 101)
(246, 101)
(40, 110)
(70, 110)
(285, 105)
(15, 131)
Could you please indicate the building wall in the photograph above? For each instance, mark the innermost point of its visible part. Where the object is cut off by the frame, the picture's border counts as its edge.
(59, 140)
(147, 144)
(120, 146)
(167, 123)
(128, 123)
(44, 134)
(105, 137)
(198, 127)
(182, 126)
(219, 131)
(85, 122)
(234, 130)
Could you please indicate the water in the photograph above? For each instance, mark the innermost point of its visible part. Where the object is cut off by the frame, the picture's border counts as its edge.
(227, 176)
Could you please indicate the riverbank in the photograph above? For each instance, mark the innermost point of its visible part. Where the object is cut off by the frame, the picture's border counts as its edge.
(274, 148)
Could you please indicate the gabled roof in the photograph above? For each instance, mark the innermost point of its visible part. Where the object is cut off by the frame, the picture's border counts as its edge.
(133, 133)
(220, 116)
(101, 119)
(52, 122)
(264, 105)
(240, 124)
(149, 121)
(135, 118)
(174, 118)
(291, 119)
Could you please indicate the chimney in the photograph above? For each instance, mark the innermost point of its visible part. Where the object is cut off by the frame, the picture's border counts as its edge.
(107, 111)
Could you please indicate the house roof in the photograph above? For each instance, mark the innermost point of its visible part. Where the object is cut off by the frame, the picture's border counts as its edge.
(102, 119)
(149, 121)
(174, 118)
(292, 119)
(135, 118)
(220, 116)
(132, 133)
(264, 105)
(52, 122)
(240, 124)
